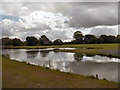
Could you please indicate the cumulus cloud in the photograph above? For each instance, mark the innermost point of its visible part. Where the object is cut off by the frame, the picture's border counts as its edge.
(58, 20)
(83, 14)
(107, 30)
(36, 24)
(91, 16)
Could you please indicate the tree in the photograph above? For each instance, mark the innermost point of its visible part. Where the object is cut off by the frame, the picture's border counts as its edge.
(106, 39)
(6, 41)
(90, 39)
(16, 42)
(103, 39)
(31, 41)
(40, 41)
(78, 36)
(117, 39)
(58, 42)
(24, 43)
(110, 39)
(44, 40)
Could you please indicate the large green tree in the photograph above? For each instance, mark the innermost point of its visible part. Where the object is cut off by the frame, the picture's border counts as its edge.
(16, 42)
(117, 39)
(106, 39)
(43, 40)
(31, 41)
(110, 39)
(57, 41)
(90, 39)
(6, 41)
(78, 36)
(103, 38)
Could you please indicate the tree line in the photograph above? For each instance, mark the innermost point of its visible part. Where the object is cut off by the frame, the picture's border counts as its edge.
(79, 38)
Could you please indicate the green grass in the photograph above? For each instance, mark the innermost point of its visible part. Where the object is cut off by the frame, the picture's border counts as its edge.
(96, 48)
(22, 75)
(91, 48)
(104, 46)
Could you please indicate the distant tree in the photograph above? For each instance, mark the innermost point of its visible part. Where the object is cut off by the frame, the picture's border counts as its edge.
(24, 43)
(106, 39)
(110, 39)
(78, 36)
(103, 39)
(43, 40)
(98, 40)
(31, 41)
(72, 42)
(16, 42)
(40, 41)
(117, 39)
(6, 41)
(58, 42)
(90, 39)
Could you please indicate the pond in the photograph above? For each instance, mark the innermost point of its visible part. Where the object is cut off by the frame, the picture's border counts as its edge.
(77, 63)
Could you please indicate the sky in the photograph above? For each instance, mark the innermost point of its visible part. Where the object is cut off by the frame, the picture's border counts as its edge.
(58, 20)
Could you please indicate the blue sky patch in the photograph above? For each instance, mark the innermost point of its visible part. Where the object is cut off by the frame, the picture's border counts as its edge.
(13, 18)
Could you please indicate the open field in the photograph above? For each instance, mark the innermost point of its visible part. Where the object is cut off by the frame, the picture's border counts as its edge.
(22, 75)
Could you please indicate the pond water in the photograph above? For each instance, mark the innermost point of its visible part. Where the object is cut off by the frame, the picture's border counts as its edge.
(77, 63)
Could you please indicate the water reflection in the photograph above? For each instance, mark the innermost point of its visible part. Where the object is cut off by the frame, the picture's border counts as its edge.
(90, 55)
(85, 64)
(44, 53)
(78, 56)
(104, 70)
(32, 54)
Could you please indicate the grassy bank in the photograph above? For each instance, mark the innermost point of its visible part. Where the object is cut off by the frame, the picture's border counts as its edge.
(102, 46)
(89, 48)
(95, 49)
(22, 75)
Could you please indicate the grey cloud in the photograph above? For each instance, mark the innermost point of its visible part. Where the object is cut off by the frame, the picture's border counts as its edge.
(92, 14)
(39, 27)
(57, 34)
(85, 14)
(6, 32)
(103, 30)
(52, 35)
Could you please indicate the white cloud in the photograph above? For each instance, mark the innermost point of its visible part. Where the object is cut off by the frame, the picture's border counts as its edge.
(83, 14)
(36, 24)
(54, 19)
(107, 30)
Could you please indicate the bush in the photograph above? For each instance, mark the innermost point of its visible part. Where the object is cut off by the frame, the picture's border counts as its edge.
(91, 76)
(104, 79)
